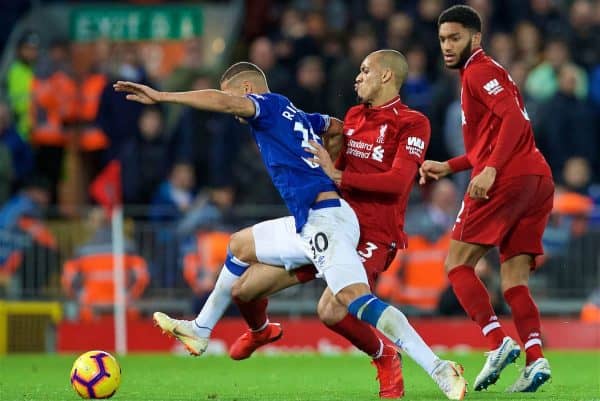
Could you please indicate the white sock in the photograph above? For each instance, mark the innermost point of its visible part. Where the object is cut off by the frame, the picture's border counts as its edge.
(396, 327)
(216, 304)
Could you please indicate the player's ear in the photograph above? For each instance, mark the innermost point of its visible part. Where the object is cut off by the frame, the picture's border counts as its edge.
(476, 40)
(247, 87)
(387, 75)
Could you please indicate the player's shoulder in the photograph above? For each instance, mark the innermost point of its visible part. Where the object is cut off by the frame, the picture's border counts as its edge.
(486, 69)
(353, 112)
(412, 116)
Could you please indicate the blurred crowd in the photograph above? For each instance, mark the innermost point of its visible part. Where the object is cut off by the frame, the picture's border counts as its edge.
(61, 122)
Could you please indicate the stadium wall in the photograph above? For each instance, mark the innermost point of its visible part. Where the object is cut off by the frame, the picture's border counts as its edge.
(309, 335)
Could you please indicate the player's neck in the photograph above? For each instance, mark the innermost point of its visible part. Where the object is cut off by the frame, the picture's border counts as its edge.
(383, 100)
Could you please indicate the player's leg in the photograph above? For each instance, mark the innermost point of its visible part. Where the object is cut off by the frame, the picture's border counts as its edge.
(194, 334)
(331, 235)
(479, 226)
(517, 254)
(386, 357)
(276, 244)
(250, 295)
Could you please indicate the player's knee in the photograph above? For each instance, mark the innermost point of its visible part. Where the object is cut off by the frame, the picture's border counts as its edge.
(241, 245)
(240, 291)
(330, 312)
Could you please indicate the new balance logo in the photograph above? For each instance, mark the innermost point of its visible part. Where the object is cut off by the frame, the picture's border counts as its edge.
(493, 87)
(350, 132)
(377, 153)
(415, 146)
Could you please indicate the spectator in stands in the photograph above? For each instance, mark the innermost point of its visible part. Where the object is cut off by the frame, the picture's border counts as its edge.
(584, 35)
(417, 91)
(16, 160)
(209, 141)
(118, 117)
(502, 49)
(566, 125)
(31, 201)
(309, 93)
(262, 54)
(28, 251)
(202, 262)
(528, 42)
(341, 93)
(54, 105)
(253, 185)
(144, 158)
(88, 276)
(542, 82)
(378, 12)
(426, 29)
(19, 81)
(590, 313)
(434, 218)
(577, 176)
(400, 33)
(174, 196)
(545, 14)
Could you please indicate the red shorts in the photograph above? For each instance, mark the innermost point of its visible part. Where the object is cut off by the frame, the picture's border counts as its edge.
(513, 218)
(376, 258)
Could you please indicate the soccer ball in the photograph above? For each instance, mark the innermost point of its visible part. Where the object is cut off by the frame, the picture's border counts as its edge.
(96, 374)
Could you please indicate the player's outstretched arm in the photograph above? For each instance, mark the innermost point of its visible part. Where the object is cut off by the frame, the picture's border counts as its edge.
(207, 99)
(431, 169)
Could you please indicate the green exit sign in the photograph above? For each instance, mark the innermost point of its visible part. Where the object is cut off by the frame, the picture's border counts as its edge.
(88, 23)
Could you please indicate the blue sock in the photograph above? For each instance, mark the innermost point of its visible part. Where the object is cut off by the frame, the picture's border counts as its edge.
(367, 308)
(234, 265)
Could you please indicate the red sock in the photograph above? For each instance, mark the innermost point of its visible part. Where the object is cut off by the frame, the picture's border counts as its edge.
(475, 300)
(253, 312)
(360, 334)
(527, 320)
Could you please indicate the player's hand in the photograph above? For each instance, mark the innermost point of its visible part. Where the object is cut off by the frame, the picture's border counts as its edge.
(481, 183)
(432, 169)
(322, 158)
(138, 92)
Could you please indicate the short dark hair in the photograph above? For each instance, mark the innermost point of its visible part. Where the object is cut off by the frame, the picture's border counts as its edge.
(464, 15)
(238, 68)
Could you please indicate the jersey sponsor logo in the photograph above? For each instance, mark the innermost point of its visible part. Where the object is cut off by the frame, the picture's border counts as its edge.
(415, 146)
(493, 87)
(350, 131)
(378, 153)
(381, 137)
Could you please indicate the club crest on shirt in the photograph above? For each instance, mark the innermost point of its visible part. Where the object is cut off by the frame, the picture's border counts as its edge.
(381, 137)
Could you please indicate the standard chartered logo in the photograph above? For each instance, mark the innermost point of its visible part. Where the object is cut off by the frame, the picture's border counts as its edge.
(378, 153)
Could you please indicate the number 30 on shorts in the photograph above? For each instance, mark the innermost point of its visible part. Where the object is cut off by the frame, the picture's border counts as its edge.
(319, 243)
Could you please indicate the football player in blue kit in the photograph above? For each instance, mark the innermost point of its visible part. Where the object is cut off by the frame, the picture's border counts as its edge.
(323, 229)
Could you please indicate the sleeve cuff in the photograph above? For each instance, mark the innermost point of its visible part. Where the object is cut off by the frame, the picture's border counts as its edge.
(256, 107)
(327, 122)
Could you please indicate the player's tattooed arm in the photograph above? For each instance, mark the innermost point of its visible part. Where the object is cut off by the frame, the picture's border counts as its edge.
(322, 158)
(207, 99)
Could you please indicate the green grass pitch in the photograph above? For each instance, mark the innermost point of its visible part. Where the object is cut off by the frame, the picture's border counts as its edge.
(576, 377)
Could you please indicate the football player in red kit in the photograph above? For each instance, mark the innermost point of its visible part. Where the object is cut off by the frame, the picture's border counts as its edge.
(507, 203)
(383, 145)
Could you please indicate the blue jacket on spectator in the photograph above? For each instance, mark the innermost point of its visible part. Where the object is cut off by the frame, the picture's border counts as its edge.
(22, 156)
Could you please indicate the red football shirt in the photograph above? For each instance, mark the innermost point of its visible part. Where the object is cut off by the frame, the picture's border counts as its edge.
(496, 127)
(383, 147)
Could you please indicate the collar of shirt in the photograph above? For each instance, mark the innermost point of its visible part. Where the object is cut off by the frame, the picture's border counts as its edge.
(395, 101)
(477, 55)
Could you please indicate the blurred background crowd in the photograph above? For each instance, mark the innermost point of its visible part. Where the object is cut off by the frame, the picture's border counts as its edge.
(190, 177)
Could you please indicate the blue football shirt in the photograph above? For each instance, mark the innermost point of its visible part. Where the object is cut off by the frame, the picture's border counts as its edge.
(282, 132)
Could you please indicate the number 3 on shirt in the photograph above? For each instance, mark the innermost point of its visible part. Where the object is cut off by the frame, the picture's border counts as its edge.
(305, 138)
